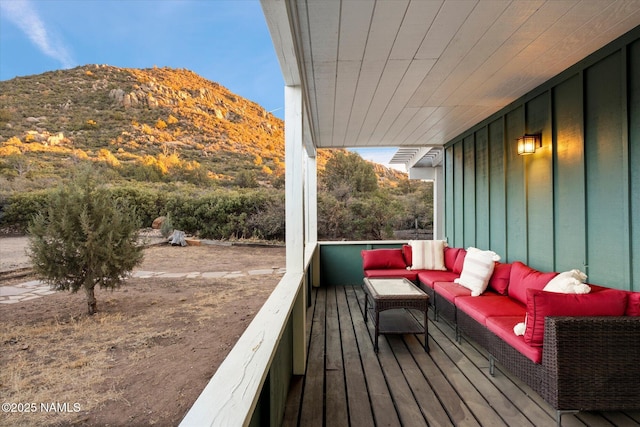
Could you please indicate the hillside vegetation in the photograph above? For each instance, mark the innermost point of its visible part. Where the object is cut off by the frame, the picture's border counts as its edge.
(174, 143)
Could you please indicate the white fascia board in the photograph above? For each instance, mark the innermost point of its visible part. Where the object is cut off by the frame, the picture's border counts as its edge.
(277, 16)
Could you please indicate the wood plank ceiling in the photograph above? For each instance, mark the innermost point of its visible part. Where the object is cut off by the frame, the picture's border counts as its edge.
(416, 73)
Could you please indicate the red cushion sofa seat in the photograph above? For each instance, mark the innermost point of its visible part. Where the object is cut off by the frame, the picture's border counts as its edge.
(430, 277)
(502, 326)
(490, 304)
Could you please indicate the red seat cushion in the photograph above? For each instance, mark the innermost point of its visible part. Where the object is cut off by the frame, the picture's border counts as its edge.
(502, 326)
(523, 277)
(540, 304)
(450, 255)
(374, 259)
(429, 277)
(488, 305)
(499, 280)
(392, 272)
(450, 291)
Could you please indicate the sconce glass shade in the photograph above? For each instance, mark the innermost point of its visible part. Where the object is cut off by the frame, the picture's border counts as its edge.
(527, 144)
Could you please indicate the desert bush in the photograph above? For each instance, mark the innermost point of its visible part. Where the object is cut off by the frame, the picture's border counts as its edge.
(246, 179)
(5, 115)
(333, 218)
(268, 221)
(149, 203)
(20, 208)
(142, 172)
(227, 214)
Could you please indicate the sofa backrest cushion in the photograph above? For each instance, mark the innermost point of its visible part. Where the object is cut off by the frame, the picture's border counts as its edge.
(633, 305)
(450, 255)
(457, 267)
(499, 281)
(523, 277)
(427, 254)
(374, 259)
(408, 256)
(540, 304)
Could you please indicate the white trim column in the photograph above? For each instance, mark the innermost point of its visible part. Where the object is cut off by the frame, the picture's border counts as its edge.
(294, 180)
(294, 218)
(438, 203)
(434, 174)
(311, 200)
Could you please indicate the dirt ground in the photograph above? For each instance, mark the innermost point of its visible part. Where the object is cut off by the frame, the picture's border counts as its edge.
(146, 355)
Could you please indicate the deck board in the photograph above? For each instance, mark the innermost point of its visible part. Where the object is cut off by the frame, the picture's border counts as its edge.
(357, 395)
(336, 395)
(312, 410)
(382, 405)
(347, 384)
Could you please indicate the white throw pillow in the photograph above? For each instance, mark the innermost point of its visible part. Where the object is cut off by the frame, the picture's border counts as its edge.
(427, 254)
(569, 282)
(477, 270)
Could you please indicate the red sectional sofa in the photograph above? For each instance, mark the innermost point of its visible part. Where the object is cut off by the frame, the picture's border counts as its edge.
(579, 351)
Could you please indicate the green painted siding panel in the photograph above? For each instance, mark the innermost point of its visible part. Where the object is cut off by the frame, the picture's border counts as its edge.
(482, 189)
(516, 191)
(469, 213)
(633, 88)
(280, 375)
(539, 186)
(497, 189)
(458, 195)
(569, 188)
(449, 208)
(342, 264)
(607, 186)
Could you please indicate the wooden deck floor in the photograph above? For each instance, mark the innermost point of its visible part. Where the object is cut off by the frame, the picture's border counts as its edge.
(348, 384)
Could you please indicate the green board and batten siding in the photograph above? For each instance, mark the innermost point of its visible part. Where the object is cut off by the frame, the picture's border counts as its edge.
(575, 203)
(633, 88)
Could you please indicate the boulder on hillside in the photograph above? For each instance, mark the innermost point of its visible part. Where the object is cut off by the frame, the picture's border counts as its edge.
(157, 223)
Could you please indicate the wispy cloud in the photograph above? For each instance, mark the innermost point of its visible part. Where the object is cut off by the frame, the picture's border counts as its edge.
(25, 17)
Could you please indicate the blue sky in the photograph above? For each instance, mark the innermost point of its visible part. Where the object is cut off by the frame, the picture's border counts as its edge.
(225, 41)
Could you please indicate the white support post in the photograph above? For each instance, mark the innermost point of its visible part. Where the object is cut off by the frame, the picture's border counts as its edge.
(438, 203)
(294, 180)
(294, 228)
(311, 200)
(434, 174)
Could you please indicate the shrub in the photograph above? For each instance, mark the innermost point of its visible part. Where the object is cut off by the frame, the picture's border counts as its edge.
(149, 203)
(21, 208)
(84, 238)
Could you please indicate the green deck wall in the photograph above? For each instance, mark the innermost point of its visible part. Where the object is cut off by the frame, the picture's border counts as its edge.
(575, 203)
(341, 264)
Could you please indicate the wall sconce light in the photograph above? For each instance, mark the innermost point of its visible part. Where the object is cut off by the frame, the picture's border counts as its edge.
(527, 144)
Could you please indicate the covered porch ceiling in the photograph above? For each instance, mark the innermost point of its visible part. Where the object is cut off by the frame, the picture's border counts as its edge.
(417, 73)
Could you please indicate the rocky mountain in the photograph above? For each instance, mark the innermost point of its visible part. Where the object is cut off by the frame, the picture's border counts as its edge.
(148, 125)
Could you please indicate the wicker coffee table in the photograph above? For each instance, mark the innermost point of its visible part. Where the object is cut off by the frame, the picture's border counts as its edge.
(388, 300)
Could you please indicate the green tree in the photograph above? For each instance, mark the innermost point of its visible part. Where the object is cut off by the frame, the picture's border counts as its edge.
(346, 173)
(84, 238)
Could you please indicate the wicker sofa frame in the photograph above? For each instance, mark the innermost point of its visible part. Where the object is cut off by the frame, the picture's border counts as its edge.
(588, 363)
